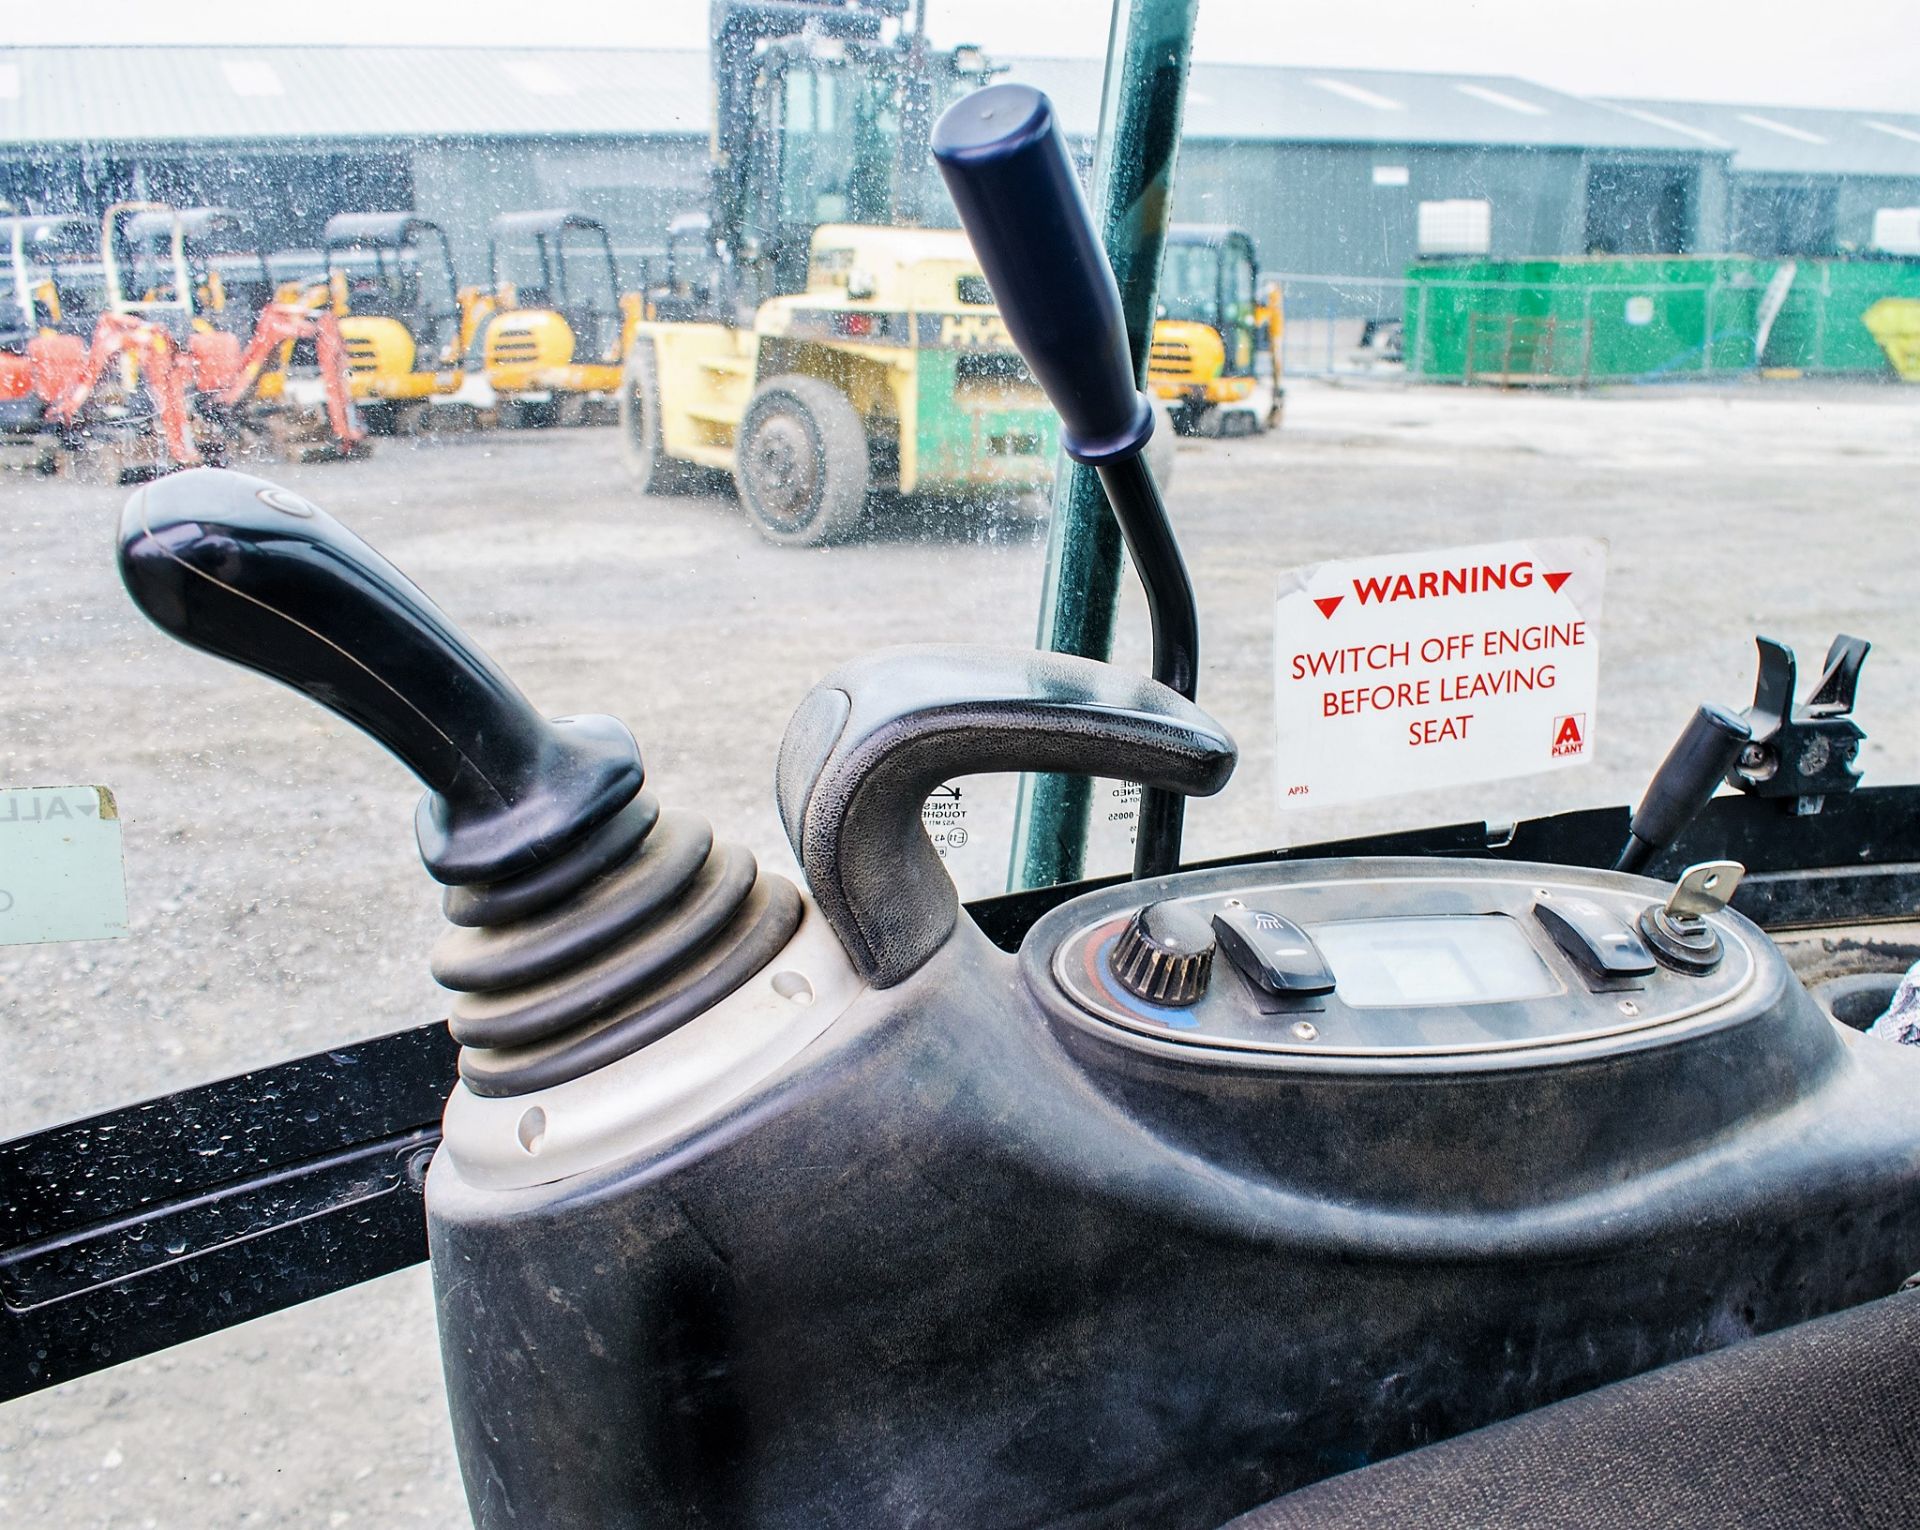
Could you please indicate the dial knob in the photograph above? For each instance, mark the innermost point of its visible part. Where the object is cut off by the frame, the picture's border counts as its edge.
(1165, 954)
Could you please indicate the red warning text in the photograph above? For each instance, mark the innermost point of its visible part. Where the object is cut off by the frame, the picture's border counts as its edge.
(1447, 686)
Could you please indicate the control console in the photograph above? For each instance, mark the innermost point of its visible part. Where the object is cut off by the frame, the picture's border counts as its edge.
(1299, 965)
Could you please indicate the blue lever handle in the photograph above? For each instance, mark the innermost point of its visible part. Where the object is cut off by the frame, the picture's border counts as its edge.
(1003, 159)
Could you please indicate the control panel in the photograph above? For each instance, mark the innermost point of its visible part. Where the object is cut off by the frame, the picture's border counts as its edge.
(1403, 959)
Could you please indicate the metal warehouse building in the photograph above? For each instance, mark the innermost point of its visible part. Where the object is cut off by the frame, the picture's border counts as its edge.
(1802, 182)
(1351, 173)
(1328, 168)
(1358, 173)
(291, 136)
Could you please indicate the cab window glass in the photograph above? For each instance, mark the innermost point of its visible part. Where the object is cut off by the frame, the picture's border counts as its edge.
(1237, 280)
(816, 172)
(531, 265)
(1661, 293)
(1190, 283)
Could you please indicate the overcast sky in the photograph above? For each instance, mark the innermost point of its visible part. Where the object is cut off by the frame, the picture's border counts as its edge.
(1858, 53)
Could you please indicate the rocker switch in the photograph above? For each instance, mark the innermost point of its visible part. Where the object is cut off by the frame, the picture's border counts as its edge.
(1600, 943)
(1272, 953)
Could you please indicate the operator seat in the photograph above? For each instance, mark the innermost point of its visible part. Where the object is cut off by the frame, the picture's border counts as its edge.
(1817, 1425)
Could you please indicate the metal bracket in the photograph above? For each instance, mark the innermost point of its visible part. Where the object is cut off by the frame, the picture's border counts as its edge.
(1802, 754)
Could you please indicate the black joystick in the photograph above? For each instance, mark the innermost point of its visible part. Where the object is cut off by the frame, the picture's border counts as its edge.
(1686, 780)
(590, 922)
(1005, 163)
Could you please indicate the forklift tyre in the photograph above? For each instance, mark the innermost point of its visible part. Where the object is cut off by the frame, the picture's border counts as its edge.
(801, 463)
(641, 445)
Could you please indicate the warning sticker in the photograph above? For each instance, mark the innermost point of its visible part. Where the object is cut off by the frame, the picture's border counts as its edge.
(1410, 671)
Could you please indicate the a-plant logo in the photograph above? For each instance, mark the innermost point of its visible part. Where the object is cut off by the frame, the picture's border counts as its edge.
(1570, 735)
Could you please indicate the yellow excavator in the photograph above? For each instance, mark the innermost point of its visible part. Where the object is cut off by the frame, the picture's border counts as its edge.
(553, 325)
(1215, 358)
(390, 283)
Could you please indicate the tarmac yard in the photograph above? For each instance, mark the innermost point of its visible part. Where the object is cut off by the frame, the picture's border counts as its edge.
(277, 907)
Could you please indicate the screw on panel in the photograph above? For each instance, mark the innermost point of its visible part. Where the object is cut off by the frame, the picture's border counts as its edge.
(417, 1166)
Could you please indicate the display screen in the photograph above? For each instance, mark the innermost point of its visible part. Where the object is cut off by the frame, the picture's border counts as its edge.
(1476, 959)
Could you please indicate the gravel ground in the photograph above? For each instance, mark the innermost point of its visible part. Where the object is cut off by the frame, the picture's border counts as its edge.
(277, 907)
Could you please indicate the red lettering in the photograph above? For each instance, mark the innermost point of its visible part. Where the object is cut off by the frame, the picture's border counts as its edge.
(1474, 579)
(1438, 730)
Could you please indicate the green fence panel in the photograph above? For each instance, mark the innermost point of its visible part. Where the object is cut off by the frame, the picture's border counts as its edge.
(1587, 319)
(1821, 328)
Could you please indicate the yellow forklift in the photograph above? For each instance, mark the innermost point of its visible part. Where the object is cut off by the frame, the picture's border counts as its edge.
(553, 325)
(390, 282)
(824, 332)
(1215, 360)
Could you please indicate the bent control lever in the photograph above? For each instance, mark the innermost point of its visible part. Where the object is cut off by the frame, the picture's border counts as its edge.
(589, 922)
(1803, 754)
(875, 736)
(1005, 163)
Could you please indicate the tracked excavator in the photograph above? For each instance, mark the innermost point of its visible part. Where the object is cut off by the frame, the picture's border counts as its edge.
(190, 359)
(390, 283)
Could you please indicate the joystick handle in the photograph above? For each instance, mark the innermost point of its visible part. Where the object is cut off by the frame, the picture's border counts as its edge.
(1005, 164)
(256, 574)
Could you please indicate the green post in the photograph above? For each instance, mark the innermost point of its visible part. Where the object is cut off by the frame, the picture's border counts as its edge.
(1141, 107)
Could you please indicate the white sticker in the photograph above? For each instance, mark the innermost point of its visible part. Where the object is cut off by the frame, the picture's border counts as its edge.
(1410, 671)
(1113, 823)
(1118, 805)
(944, 816)
(61, 875)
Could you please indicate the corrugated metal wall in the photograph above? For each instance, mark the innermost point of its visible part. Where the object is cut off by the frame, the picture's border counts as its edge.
(1321, 209)
(1814, 214)
(1314, 208)
(636, 188)
(287, 192)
